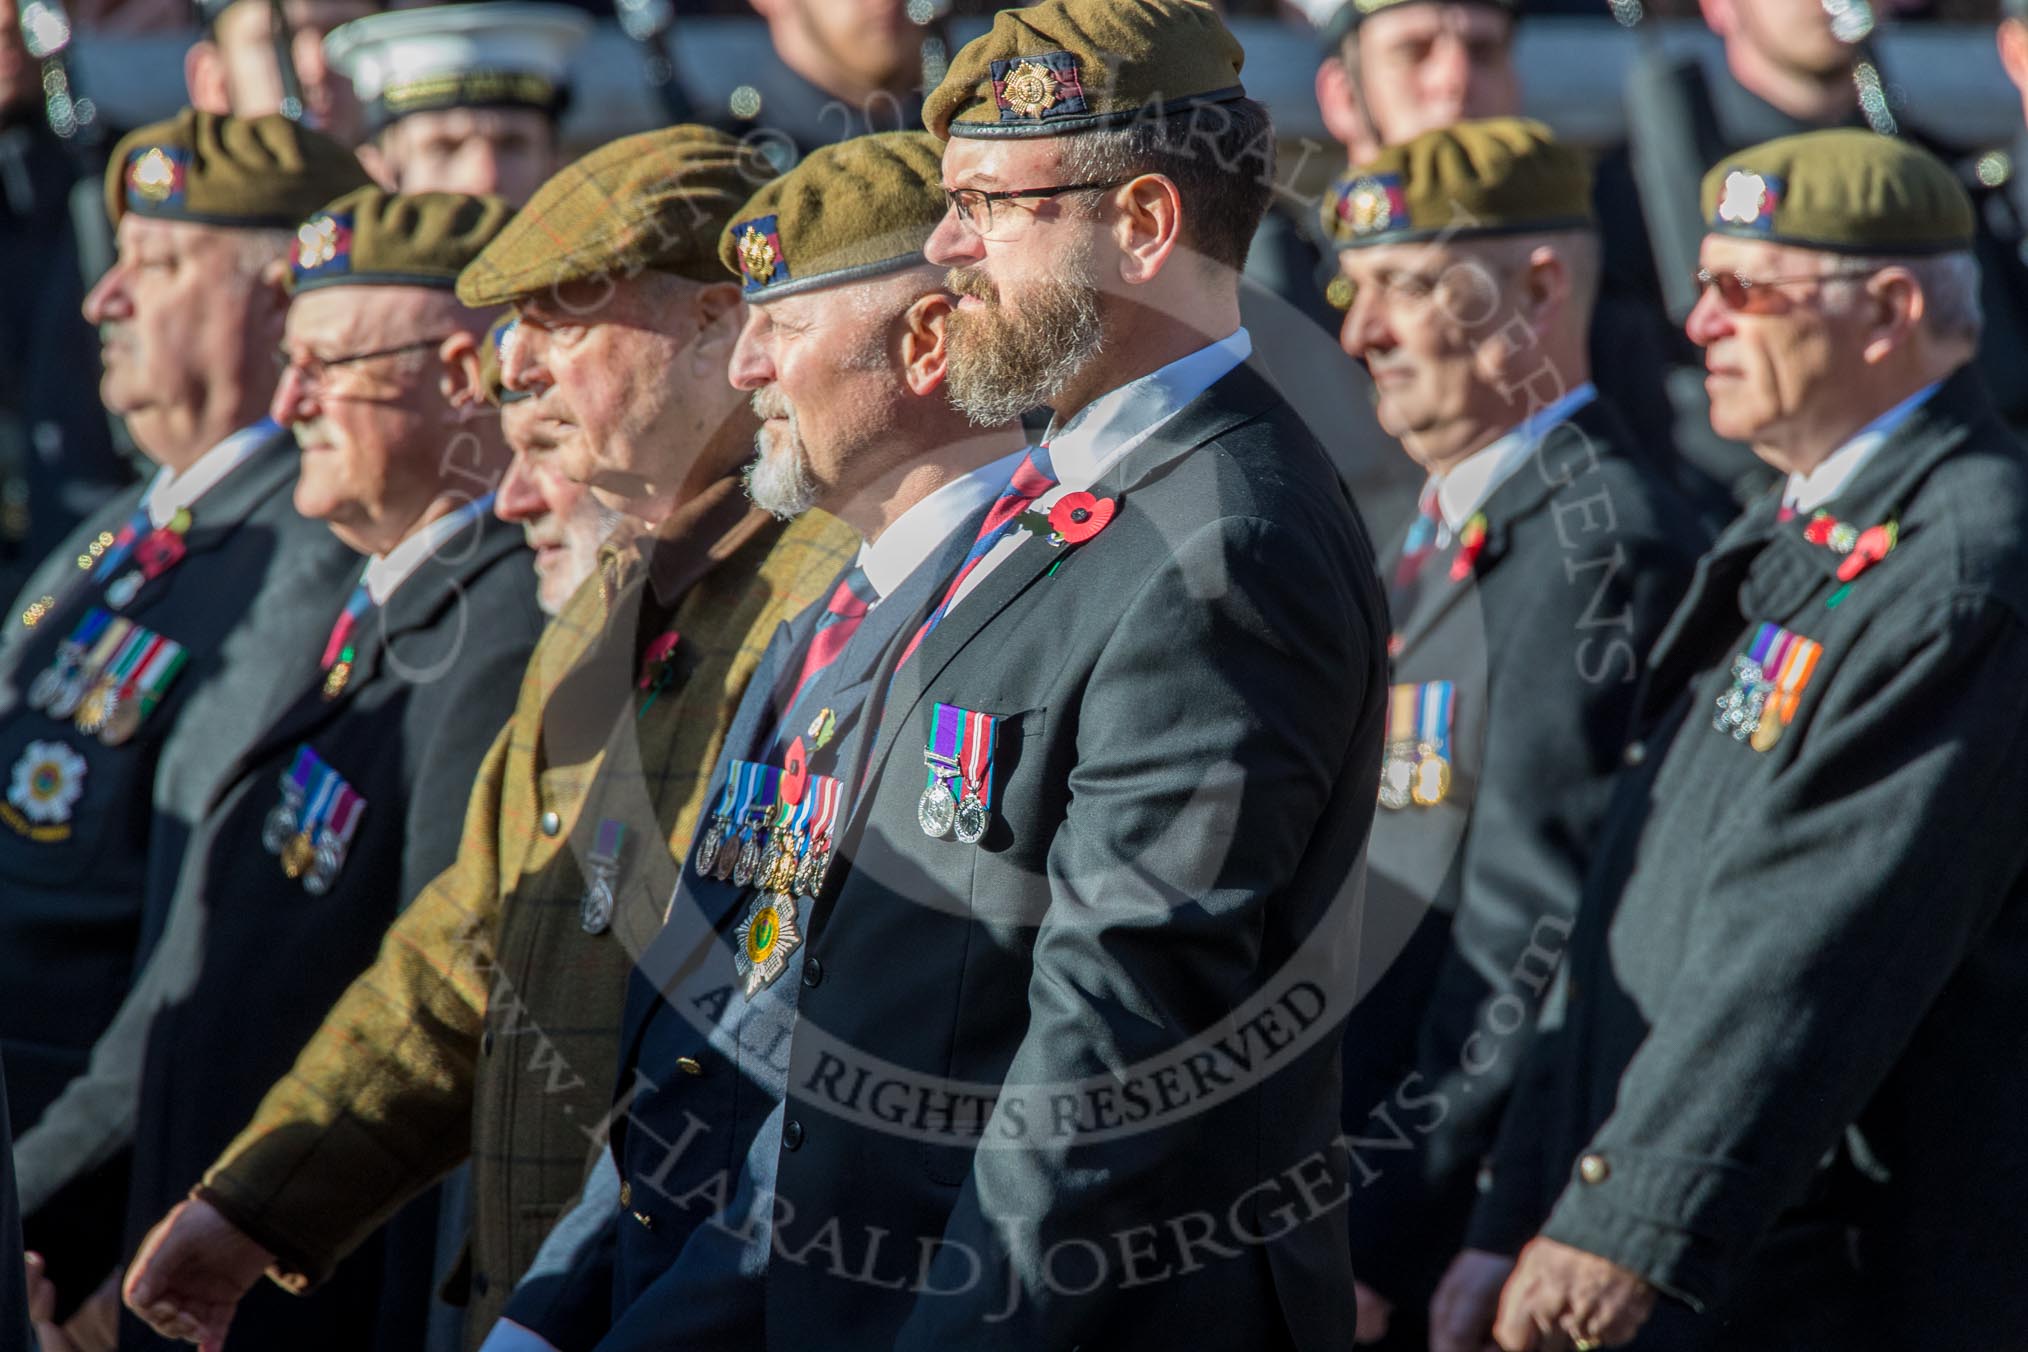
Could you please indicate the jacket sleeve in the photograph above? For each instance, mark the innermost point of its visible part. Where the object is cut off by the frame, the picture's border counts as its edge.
(1210, 737)
(1886, 845)
(378, 1104)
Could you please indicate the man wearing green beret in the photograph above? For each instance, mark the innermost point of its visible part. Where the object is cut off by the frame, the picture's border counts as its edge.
(331, 815)
(488, 1026)
(844, 352)
(1524, 597)
(205, 565)
(1781, 1108)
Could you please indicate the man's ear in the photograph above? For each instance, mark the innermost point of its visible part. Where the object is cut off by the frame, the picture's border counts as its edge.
(1549, 286)
(1344, 114)
(721, 313)
(2012, 40)
(1150, 227)
(379, 164)
(925, 356)
(462, 383)
(1897, 311)
(204, 78)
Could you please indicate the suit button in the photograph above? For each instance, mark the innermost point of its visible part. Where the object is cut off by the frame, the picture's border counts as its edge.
(689, 1065)
(551, 823)
(1635, 753)
(792, 1135)
(626, 1193)
(486, 1043)
(813, 972)
(1594, 1169)
(480, 1286)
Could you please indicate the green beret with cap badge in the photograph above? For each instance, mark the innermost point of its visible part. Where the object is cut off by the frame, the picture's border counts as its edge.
(373, 237)
(857, 209)
(1846, 190)
(1067, 66)
(257, 173)
(1497, 176)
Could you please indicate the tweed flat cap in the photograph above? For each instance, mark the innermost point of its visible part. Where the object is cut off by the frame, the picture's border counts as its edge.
(858, 209)
(658, 200)
(1847, 191)
(1067, 66)
(373, 237)
(259, 173)
(1499, 176)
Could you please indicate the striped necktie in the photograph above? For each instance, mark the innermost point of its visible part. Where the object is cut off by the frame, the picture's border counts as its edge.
(843, 614)
(1421, 541)
(1032, 478)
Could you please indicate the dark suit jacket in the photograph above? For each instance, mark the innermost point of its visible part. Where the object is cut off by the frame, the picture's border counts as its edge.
(1190, 710)
(436, 676)
(1794, 991)
(1469, 902)
(246, 596)
(15, 1335)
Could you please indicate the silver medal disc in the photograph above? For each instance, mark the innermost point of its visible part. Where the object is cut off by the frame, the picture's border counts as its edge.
(936, 811)
(970, 822)
(595, 909)
(43, 689)
(747, 861)
(707, 848)
(279, 827)
(323, 871)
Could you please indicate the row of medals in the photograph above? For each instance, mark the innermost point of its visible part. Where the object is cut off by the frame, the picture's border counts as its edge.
(1414, 773)
(314, 861)
(90, 699)
(941, 813)
(788, 863)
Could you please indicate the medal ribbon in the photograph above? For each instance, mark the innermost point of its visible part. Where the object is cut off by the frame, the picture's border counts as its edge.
(611, 836)
(344, 818)
(161, 672)
(122, 545)
(324, 787)
(829, 793)
(947, 728)
(1798, 662)
(132, 645)
(301, 771)
(975, 755)
(1031, 479)
(1434, 705)
(757, 785)
(1401, 707)
(1764, 644)
(340, 642)
(90, 627)
(156, 648)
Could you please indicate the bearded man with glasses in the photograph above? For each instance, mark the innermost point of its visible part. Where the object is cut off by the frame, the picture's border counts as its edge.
(1782, 1106)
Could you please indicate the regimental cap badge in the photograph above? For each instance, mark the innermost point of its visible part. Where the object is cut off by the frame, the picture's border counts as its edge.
(156, 176)
(1749, 199)
(759, 245)
(1034, 88)
(1372, 204)
(323, 245)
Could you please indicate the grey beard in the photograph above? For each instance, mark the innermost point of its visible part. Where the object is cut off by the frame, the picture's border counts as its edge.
(1006, 361)
(780, 484)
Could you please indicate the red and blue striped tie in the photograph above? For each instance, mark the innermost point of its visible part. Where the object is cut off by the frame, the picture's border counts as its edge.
(843, 614)
(1032, 478)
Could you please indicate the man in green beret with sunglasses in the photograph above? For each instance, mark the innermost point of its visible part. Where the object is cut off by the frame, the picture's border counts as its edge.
(1782, 1106)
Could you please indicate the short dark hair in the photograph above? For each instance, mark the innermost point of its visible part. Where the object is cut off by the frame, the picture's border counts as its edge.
(1220, 156)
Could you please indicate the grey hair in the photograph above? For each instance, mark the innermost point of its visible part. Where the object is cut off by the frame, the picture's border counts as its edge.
(1949, 282)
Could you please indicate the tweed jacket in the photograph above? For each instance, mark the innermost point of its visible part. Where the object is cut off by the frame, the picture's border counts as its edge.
(489, 1023)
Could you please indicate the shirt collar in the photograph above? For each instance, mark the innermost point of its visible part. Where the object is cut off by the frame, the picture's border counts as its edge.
(1468, 485)
(172, 492)
(386, 572)
(906, 544)
(1083, 449)
(1807, 492)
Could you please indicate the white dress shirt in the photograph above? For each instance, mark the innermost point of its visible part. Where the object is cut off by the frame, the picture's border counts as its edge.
(921, 530)
(1805, 493)
(1099, 436)
(1468, 485)
(386, 572)
(172, 492)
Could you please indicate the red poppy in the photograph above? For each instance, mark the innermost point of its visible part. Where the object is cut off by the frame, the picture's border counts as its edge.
(1077, 517)
(158, 552)
(795, 774)
(1818, 532)
(1874, 544)
(1471, 543)
(660, 648)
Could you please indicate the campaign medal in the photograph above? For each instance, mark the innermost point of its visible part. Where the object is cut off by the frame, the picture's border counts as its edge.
(334, 839)
(91, 670)
(755, 810)
(602, 876)
(43, 789)
(284, 818)
(1416, 770)
(715, 831)
(1767, 679)
(764, 940)
(145, 692)
(937, 810)
(827, 796)
(67, 667)
(96, 708)
(976, 735)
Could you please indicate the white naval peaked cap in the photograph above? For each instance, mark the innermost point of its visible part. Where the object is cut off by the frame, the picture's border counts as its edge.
(493, 54)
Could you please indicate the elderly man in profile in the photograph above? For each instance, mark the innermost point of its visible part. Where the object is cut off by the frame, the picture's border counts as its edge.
(1783, 1104)
(488, 1026)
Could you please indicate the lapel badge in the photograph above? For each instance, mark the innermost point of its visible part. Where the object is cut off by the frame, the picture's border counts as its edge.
(601, 878)
(42, 791)
(822, 729)
(1417, 768)
(1767, 686)
(1471, 544)
(958, 797)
